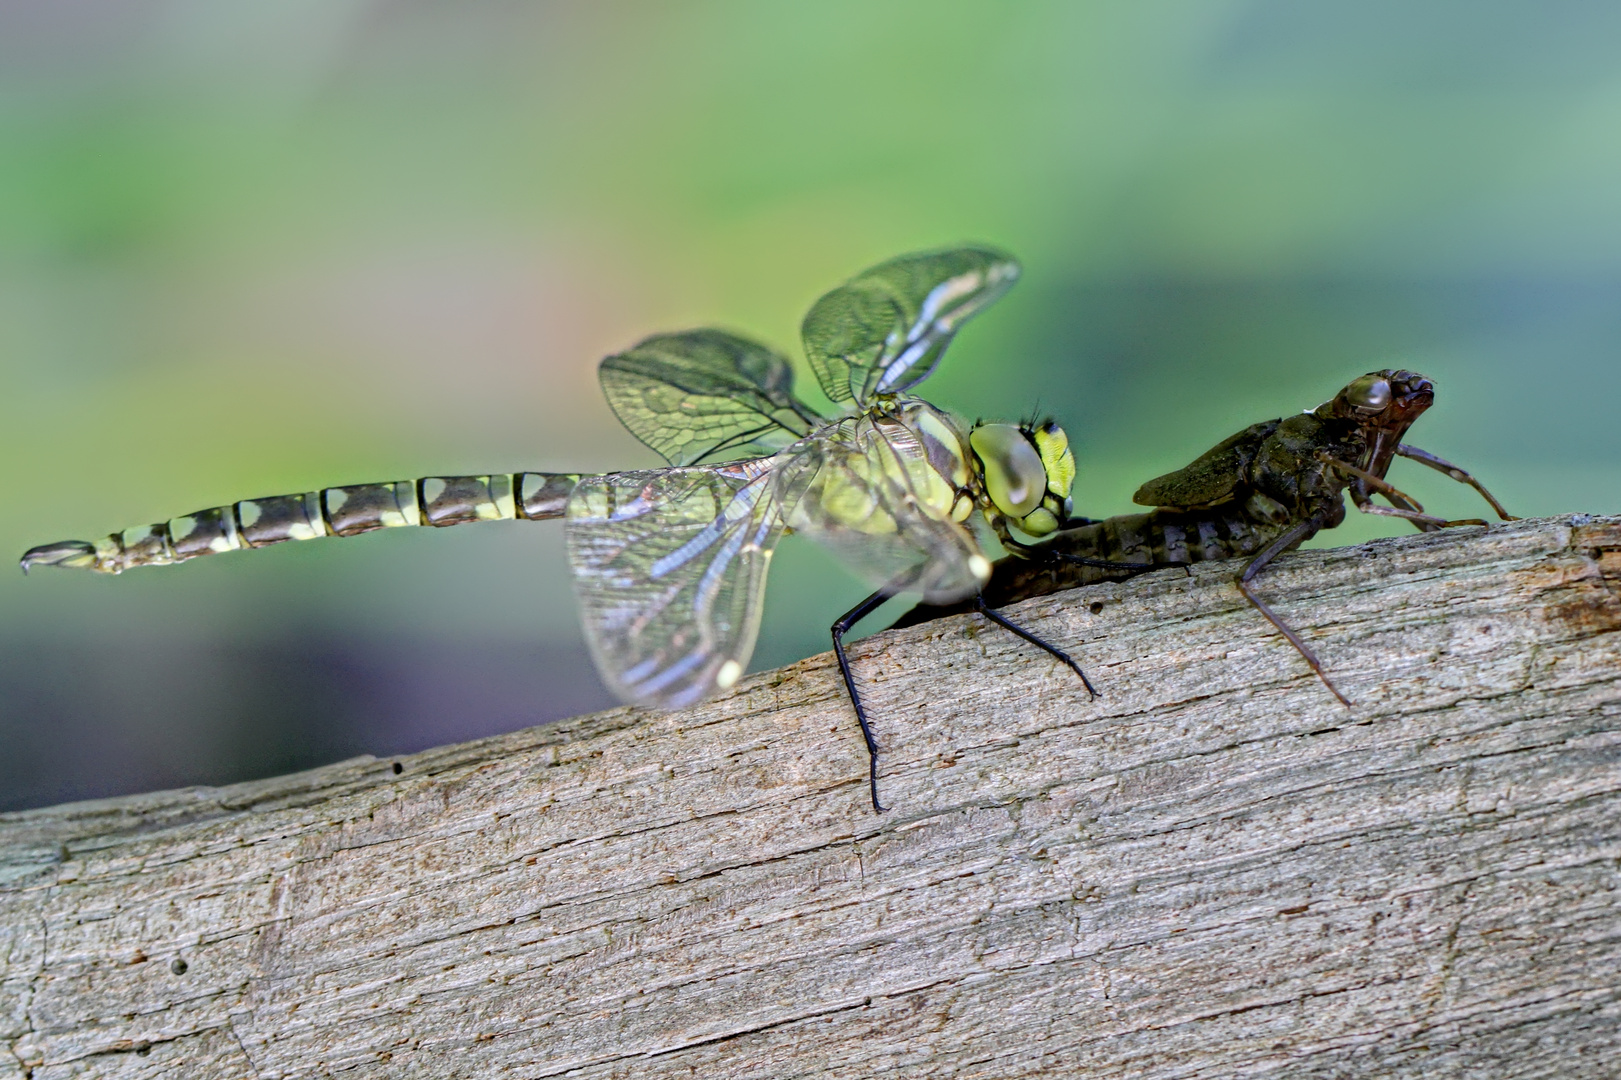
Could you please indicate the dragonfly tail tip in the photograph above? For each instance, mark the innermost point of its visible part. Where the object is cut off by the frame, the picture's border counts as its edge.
(74, 554)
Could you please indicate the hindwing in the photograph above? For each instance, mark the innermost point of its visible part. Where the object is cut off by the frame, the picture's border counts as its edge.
(705, 394)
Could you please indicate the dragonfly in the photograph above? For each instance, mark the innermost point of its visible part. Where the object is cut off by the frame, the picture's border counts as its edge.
(669, 564)
(1261, 492)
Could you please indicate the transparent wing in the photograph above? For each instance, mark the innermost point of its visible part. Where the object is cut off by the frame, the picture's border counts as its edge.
(705, 394)
(864, 489)
(883, 331)
(670, 568)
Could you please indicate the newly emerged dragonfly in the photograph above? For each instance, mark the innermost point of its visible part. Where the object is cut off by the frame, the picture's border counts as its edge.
(1257, 494)
(670, 564)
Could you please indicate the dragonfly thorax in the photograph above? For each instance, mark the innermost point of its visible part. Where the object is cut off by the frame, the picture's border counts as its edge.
(906, 445)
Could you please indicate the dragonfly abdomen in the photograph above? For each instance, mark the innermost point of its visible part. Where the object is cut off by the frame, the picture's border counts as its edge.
(1134, 542)
(336, 511)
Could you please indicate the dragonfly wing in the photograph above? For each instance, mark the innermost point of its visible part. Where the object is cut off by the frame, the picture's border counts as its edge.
(706, 394)
(670, 568)
(883, 331)
(865, 490)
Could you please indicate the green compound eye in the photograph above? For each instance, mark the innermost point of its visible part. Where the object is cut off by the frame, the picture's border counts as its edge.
(1015, 478)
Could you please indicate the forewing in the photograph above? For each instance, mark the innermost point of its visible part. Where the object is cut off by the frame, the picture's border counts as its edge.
(866, 492)
(670, 568)
(883, 331)
(705, 394)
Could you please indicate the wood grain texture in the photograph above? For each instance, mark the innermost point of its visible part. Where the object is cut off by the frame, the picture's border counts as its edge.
(1213, 870)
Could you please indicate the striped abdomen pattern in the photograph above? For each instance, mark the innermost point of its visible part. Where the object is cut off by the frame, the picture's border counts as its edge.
(334, 511)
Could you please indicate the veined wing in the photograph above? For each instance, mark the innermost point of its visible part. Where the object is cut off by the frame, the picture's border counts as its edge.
(706, 394)
(670, 568)
(864, 488)
(883, 331)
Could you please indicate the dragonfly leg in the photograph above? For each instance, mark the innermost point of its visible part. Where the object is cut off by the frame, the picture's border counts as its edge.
(1008, 624)
(1424, 457)
(1277, 547)
(840, 628)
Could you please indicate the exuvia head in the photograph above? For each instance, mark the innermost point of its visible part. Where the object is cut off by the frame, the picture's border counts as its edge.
(1381, 398)
(1384, 405)
(1028, 471)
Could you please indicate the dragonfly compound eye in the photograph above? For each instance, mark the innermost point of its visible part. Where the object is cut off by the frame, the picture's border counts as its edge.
(1015, 478)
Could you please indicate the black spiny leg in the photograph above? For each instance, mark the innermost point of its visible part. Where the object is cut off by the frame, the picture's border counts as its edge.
(871, 604)
(840, 628)
(1008, 624)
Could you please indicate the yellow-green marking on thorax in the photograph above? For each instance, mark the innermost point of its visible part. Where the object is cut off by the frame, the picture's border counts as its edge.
(915, 448)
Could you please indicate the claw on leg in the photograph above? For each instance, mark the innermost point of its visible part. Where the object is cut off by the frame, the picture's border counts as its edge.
(840, 628)
(1008, 624)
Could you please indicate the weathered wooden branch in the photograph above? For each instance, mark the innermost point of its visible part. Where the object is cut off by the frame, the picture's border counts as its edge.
(1212, 870)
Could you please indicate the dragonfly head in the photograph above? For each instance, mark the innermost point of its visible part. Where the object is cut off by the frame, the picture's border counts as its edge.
(1027, 471)
(1384, 405)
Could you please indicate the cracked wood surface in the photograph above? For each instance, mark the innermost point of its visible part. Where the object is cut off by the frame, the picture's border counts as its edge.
(1212, 870)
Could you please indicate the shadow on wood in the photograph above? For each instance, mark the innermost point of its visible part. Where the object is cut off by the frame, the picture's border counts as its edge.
(1213, 869)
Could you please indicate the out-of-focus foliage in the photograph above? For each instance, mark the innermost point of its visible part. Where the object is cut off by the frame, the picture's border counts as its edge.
(254, 248)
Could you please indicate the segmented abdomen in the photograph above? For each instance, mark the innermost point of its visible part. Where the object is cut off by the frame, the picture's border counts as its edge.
(334, 511)
(1137, 542)
(1155, 539)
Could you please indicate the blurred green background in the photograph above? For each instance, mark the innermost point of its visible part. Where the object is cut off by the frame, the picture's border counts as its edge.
(258, 248)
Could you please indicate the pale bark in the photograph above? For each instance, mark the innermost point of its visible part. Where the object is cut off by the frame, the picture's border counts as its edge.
(1212, 870)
